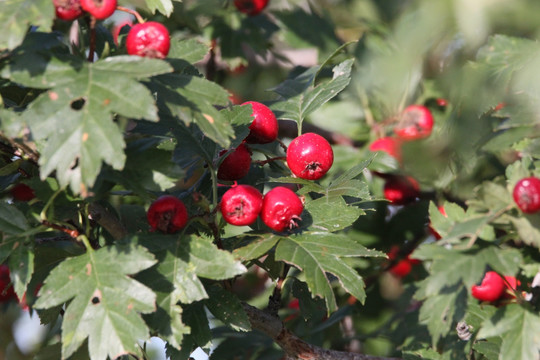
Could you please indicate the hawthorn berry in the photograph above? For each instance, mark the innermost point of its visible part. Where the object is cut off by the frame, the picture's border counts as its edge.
(416, 122)
(527, 194)
(264, 128)
(310, 156)
(236, 165)
(6, 289)
(388, 144)
(491, 288)
(510, 285)
(401, 190)
(403, 266)
(150, 39)
(167, 214)
(22, 192)
(100, 9)
(281, 209)
(67, 9)
(251, 7)
(241, 205)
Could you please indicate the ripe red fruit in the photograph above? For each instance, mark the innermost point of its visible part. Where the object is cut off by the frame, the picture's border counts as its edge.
(241, 204)
(236, 165)
(68, 9)
(264, 128)
(403, 266)
(310, 156)
(416, 122)
(401, 190)
(6, 289)
(510, 285)
(167, 214)
(150, 39)
(281, 209)
(251, 7)
(100, 9)
(388, 144)
(22, 192)
(527, 194)
(491, 288)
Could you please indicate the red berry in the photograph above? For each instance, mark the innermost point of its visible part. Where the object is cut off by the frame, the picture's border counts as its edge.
(236, 165)
(442, 102)
(510, 284)
(310, 156)
(415, 123)
(251, 7)
(241, 204)
(388, 144)
(527, 194)
(167, 214)
(264, 128)
(491, 288)
(401, 190)
(100, 9)
(401, 269)
(6, 289)
(117, 28)
(22, 192)
(281, 209)
(68, 9)
(150, 39)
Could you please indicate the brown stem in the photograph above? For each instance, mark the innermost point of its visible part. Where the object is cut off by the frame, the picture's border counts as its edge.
(138, 16)
(264, 162)
(274, 302)
(92, 47)
(293, 346)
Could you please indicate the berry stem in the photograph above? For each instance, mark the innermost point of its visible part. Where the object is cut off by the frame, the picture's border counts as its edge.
(135, 13)
(92, 46)
(269, 160)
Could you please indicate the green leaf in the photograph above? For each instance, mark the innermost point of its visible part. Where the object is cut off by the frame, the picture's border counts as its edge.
(441, 312)
(21, 265)
(16, 17)
(163, 6)
(12, 220)
(317, 254)
(82, 105)
(519, 329)
(190, 50)
(302, 97)
(184, 259)
(105, 301)
(331, 213)
(527, 228)
(226, 307)
(258, 247)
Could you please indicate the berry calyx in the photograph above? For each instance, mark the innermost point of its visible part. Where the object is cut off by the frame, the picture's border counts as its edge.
(416, 122)
(281, 209)
(22, 192)
(491, 288)
(6, 289)
(527, 194)
(401, 190)
(388, 144)
(167, 214)
(150, 39)
(241, 205)
(68, 10)
(310, 156)
(251, 7)
(236, 165)
(100, 9)
(264, 128)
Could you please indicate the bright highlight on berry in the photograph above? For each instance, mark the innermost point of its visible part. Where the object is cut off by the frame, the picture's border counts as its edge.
(150, 39)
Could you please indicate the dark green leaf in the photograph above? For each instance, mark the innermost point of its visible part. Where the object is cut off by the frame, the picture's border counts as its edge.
(226, 307)
(331, 213)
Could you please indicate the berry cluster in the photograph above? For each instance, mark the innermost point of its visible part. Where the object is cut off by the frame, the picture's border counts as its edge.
(147, 39)
(309, 156)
